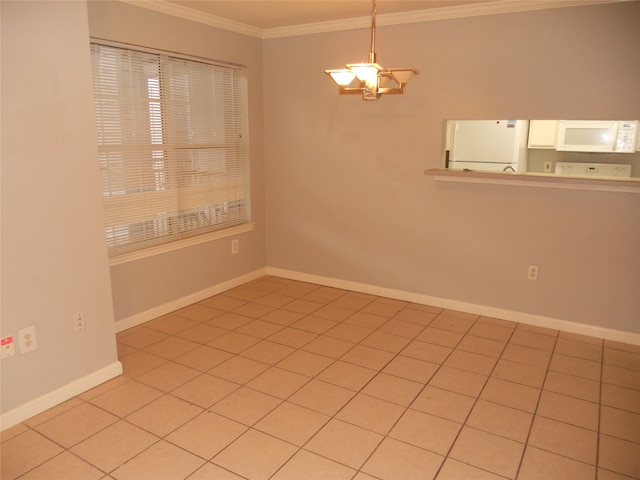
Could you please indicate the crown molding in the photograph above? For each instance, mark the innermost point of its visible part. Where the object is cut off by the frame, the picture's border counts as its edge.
(416, 16)
(194, 15)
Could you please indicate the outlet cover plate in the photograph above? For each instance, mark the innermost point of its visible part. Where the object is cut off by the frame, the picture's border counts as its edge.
(27, 339)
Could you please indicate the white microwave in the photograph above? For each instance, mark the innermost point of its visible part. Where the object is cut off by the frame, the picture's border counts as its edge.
(608, 136)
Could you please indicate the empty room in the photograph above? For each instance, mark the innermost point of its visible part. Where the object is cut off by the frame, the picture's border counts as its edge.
(364, 240)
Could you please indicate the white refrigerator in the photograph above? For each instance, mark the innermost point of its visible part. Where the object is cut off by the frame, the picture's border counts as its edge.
(488, 145)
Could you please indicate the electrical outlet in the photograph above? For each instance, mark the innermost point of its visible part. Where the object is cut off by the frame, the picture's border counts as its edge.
(79, 322)
(547, 167)
(7, 347)
(27, 339)
(532, 274)
(235, 246)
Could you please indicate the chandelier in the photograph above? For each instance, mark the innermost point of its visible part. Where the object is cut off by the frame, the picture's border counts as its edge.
(373, 80)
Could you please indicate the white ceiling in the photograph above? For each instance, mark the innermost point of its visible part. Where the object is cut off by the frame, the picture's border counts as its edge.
(279, 18)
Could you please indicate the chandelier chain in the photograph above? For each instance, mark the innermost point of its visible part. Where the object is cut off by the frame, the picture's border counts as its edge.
(372, 53)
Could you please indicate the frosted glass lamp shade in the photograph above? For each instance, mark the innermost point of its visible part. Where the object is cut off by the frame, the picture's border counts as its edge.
(342, 77)
(366, 72)
(403, 75)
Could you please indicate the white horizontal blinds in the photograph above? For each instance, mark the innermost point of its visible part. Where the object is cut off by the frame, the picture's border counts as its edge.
(172, 136)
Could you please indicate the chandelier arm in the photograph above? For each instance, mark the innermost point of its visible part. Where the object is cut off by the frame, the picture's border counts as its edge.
(392, 90)
(382, 90)
(349, 90)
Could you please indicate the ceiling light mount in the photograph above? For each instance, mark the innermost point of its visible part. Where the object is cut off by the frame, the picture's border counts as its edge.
(373, 80)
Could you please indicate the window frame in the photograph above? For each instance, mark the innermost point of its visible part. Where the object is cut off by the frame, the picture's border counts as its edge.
(233, 112)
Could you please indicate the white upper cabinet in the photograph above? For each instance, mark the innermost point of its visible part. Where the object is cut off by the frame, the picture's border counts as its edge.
(543, 133)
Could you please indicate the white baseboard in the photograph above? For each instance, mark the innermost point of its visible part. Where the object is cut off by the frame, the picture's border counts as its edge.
(494, 312)
(179, 303)
(51, 399)
(59, 395)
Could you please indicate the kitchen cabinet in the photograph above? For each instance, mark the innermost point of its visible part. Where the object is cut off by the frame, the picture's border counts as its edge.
(543, 133)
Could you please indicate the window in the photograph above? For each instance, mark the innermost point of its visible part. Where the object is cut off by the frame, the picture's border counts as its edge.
(173, 146)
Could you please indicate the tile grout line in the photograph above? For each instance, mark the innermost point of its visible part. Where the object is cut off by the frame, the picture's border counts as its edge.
(474, 402)
(334, 361)
(380, 370)
(406, 408)
(598, 437)
(535, 411)
(357, 470)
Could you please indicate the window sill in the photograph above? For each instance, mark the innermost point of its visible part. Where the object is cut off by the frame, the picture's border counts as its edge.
(177, 245)
(540, 180)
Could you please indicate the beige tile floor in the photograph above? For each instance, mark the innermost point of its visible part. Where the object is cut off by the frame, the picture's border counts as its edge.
(286, 380)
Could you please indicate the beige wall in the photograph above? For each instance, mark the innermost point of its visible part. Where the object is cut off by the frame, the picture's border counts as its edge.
(54, 260)
(346, 194)
(147, 284)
